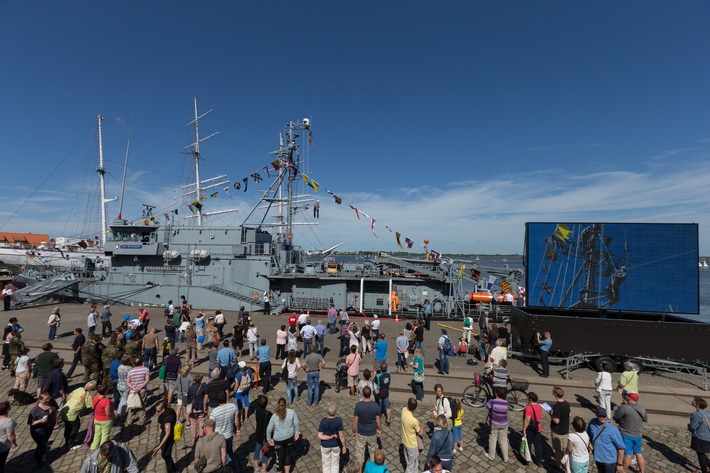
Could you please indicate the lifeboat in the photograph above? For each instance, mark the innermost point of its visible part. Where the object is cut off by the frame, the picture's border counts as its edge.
(484, 297)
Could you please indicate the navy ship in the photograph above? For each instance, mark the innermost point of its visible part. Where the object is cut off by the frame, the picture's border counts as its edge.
(154, 261)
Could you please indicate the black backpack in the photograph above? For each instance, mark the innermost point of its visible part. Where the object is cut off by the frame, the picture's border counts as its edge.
(452, 406)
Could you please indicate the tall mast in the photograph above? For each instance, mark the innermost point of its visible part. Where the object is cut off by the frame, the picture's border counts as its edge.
(196, 155)
(102, 184)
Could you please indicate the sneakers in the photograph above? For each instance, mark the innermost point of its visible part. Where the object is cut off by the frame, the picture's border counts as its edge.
(485, 454)
(460, 449)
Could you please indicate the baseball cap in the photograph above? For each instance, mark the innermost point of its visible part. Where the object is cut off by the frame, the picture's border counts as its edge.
(444, 331)
(242, 364)
(631, 395)
(601, 412)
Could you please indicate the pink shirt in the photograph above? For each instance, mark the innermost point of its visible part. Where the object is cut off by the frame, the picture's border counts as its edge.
(281, 337)
(353, 363)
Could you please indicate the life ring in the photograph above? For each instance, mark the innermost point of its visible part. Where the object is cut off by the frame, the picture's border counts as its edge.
(437, 305)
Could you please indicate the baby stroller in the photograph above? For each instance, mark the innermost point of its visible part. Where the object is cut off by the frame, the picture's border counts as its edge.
(341, 375)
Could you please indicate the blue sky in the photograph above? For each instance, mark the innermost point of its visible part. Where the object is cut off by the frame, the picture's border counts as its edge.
(451, 121)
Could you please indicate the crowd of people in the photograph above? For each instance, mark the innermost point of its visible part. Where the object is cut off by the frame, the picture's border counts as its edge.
(211, 410)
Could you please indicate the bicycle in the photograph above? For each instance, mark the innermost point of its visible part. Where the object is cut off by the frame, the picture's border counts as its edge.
(481, 391)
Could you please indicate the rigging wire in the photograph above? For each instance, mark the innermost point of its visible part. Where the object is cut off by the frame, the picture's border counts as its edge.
(34, 192)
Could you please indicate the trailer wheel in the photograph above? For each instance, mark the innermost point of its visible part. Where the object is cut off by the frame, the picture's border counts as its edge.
(604, 359)
(635, 365)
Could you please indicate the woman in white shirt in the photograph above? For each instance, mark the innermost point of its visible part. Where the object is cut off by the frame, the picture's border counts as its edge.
(293, 366)
(578, 446)
(603, 386)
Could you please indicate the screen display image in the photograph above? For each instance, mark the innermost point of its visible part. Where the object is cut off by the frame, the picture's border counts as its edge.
(645, 267)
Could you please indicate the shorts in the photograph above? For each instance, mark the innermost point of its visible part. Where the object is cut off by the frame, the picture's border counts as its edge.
(40, 381)
(242, 399)
(633, 445)
(384, 403)
(352, 381)
(258, 455)
(170, 386)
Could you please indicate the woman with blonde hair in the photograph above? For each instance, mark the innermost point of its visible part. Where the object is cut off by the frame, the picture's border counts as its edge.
(293, 365)
(182, 387)
(442, 442)
(77, 400)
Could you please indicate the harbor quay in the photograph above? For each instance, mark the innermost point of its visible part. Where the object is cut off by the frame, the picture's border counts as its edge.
(667, 397)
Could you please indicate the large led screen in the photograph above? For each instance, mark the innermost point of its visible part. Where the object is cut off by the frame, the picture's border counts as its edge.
(647, 267)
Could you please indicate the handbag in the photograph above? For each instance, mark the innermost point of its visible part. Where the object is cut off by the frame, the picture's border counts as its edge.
(534, 424)
(265, 449)
(201, 464)
(134, 401)
(566, 462)
(419, 376)
(163, 370)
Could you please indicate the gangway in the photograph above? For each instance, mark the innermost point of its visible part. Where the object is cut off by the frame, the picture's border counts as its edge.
(44, 289)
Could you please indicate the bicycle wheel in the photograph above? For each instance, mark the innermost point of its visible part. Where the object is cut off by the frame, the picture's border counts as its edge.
(475, 396)
(517, 399)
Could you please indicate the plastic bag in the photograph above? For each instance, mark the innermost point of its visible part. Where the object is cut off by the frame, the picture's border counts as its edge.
(177, 431)
(525, 450)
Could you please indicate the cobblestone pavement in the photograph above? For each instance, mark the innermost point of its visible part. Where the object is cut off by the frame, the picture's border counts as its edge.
(666, 441)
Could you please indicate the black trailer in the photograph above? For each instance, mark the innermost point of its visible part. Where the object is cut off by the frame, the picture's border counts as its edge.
(646, 340)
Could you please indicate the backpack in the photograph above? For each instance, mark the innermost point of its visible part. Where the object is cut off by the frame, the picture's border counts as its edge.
(246, 381)
(166, 311)
(447, 344)
(232, 374)
(453, 408)
(467, 322)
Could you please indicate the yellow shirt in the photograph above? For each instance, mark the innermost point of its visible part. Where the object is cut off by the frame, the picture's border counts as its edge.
(410, 427)
(458, 420)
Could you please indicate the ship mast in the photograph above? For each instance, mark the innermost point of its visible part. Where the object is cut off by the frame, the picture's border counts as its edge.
(198, 187)
(102, 184)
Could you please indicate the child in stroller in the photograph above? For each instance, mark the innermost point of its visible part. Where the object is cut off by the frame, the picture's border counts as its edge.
(341, 375)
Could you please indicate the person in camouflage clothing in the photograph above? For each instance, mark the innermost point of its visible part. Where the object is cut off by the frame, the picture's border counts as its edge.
(107, 357)
(132, 347)
(91, 359)
(17, 348)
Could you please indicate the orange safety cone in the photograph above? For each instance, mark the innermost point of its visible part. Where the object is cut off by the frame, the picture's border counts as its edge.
(396, 316)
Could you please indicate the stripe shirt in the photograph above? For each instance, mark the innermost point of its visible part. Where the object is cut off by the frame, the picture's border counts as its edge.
(223, 416)
(137, 376)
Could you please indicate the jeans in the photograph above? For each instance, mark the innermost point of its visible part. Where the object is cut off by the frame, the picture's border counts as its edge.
(331, 326)
(181, 335)
(419, 345)
(75, 361)
(418, 390)
(150, 356)
(330, 459)
(401, 361)
(579, 467)
(123, 403)
(307, 343)
(106, 329)
(252, 349)
(292, 385)
(606, 467)
(320, 344)
(443, 362)
(535, 443)
(52, 332)
(313, 382)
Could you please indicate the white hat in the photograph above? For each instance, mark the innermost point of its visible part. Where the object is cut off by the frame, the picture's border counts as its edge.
(242, 364)
(374, 316)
